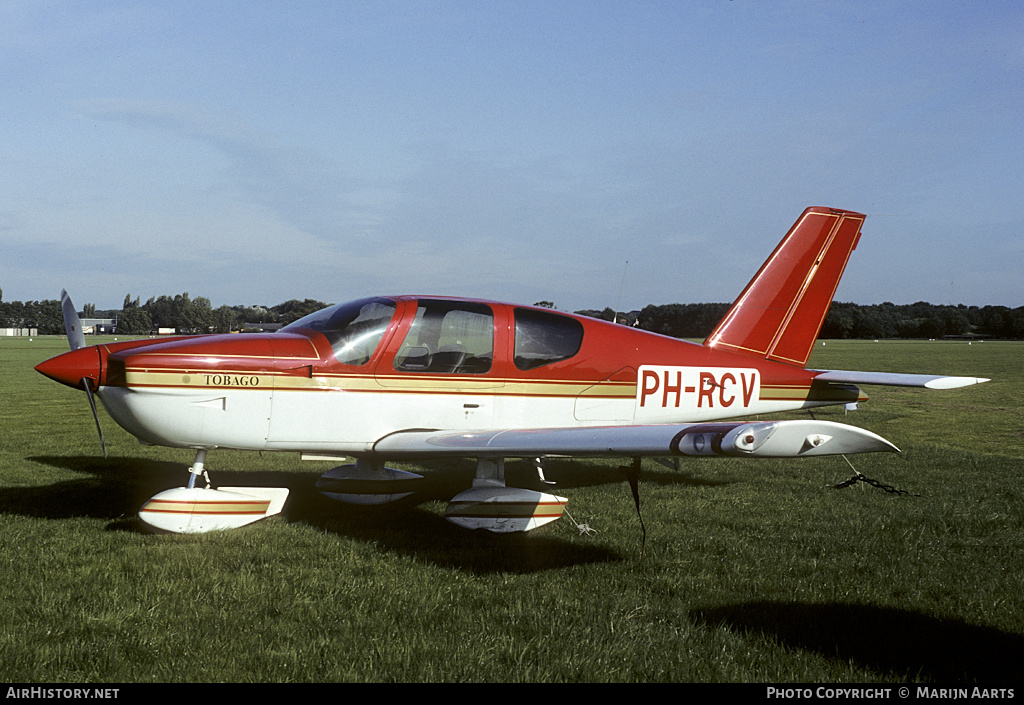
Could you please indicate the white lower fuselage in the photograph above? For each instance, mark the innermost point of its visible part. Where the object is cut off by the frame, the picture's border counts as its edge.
(347, 416)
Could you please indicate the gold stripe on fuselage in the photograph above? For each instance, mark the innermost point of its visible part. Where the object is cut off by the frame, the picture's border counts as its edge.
(242, 379)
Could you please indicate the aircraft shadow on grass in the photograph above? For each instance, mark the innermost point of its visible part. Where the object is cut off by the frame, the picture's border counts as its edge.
(889, 641)
(114, 489)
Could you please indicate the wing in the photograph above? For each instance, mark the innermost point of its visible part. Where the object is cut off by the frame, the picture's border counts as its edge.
(770, 439)
(897, 379)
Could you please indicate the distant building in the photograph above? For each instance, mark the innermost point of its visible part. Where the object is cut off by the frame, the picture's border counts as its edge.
(18, 332)
(99, 326)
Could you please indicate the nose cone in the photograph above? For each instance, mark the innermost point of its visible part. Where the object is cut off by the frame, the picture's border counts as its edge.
(71, 367)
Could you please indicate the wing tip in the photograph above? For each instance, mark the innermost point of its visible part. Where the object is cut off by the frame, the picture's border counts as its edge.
(955, 382)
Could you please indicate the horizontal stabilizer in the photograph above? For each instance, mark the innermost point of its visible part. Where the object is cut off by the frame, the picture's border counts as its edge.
(766, 439)
(897, 379)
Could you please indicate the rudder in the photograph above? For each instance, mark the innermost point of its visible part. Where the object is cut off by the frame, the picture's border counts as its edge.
(780, 312)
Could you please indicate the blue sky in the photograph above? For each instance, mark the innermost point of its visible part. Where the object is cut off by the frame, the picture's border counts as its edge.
(255, 152)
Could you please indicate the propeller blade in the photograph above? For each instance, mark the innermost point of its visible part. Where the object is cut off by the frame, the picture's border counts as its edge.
(76, 338)
(95, 415)
(72, 323)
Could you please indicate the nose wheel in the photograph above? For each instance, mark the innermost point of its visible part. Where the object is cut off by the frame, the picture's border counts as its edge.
(192, 510)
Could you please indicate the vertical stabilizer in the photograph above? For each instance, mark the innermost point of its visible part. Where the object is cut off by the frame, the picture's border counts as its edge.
(779, 314)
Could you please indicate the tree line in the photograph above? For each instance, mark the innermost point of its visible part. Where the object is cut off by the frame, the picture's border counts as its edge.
(844, 320)
(181, 313)
(188, 315)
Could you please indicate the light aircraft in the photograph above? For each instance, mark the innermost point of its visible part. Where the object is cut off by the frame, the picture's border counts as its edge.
(424, 377)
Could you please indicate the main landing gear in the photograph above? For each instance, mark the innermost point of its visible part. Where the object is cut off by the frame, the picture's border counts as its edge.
(489, 504)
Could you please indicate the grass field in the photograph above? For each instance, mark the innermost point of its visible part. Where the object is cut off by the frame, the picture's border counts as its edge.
(755, 571)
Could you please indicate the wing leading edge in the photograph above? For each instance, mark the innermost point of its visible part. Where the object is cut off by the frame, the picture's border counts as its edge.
(765, 439)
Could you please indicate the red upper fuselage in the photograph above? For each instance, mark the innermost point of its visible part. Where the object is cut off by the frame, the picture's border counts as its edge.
(608, 352)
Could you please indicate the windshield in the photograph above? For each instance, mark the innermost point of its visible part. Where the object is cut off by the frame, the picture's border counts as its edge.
(354, 329)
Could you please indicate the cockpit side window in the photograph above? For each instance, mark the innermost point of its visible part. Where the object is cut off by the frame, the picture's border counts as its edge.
(451, 337)
(354, 329)
(543, 338)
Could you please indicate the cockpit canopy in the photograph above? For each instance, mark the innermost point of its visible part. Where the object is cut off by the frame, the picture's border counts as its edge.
(444, 336)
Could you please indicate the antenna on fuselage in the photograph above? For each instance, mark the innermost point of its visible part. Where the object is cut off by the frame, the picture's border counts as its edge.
(615, 313)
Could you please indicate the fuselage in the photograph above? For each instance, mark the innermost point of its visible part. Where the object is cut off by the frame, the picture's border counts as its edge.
(341, 379)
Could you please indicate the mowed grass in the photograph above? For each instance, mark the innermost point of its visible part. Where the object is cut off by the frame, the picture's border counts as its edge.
(754, 571)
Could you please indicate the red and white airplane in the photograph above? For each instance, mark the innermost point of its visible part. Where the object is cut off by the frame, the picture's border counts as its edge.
(425, 377)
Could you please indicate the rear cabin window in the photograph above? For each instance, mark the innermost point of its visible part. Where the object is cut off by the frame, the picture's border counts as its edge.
(543, 338)
(448, 337)
(354, 329)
